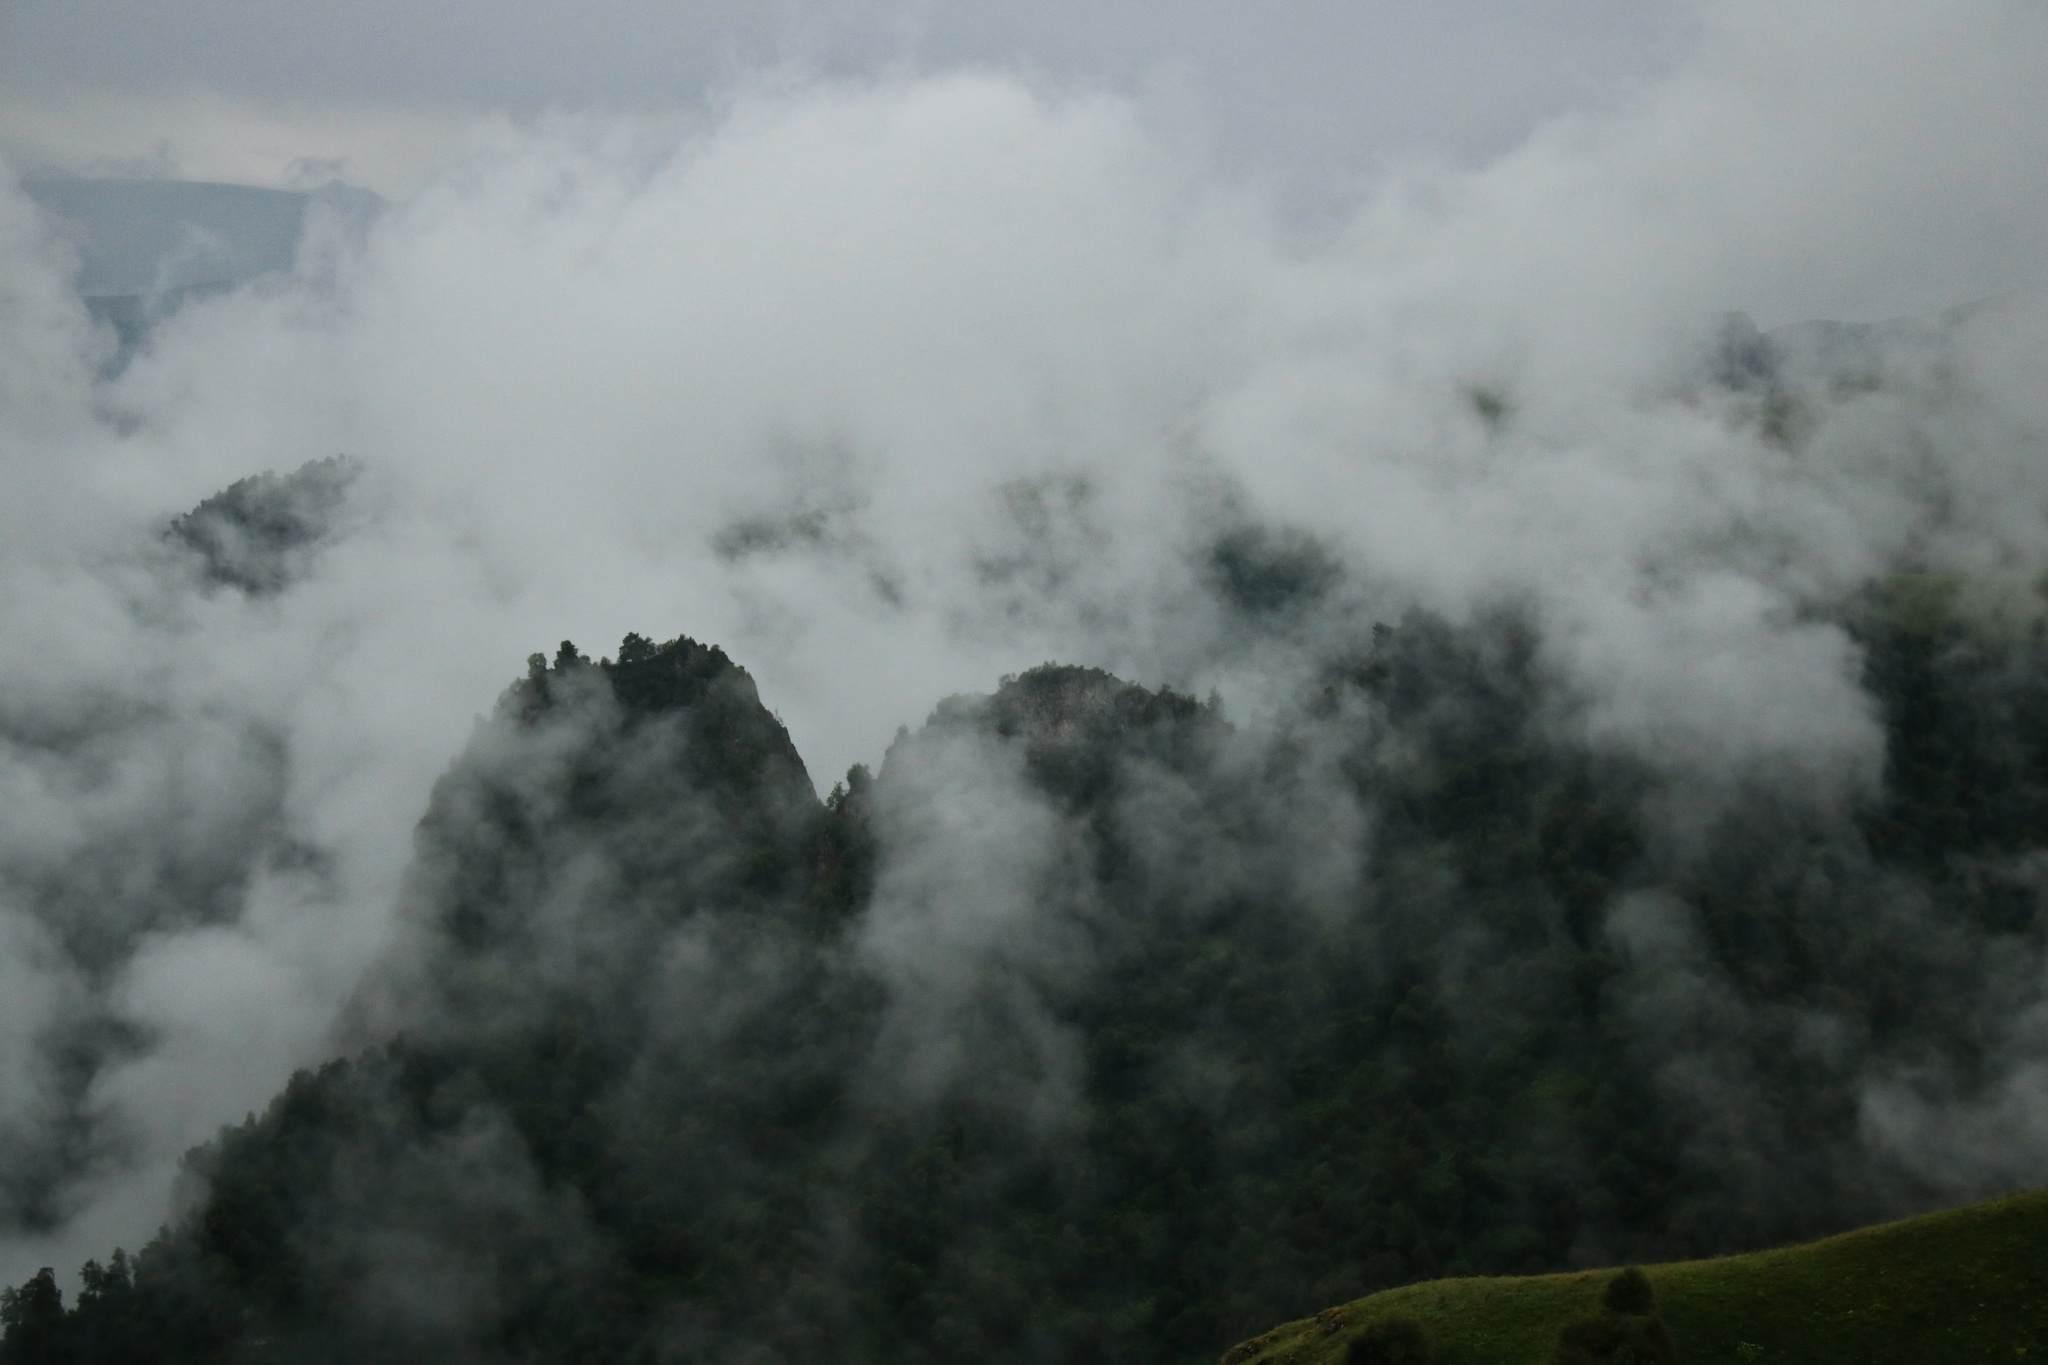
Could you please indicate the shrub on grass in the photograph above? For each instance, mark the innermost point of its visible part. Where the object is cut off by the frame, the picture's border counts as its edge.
(1630, 1292)
(1627, 1330)
(1389, 1341)
(1614, 1339)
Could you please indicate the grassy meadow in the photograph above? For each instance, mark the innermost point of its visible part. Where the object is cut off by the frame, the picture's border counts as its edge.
(1965, 1287)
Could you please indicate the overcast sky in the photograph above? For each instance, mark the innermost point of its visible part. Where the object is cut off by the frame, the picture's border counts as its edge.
(1312, 94)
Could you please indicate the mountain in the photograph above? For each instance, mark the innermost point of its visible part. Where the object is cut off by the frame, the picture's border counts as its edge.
(145, 248)
(138, 237)
(1098, 1026)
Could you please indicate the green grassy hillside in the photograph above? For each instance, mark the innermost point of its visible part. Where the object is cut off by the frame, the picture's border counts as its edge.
(1966, 1287)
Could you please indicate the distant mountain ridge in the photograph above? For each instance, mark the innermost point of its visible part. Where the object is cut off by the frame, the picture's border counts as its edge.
(141, 237)
(147, 247)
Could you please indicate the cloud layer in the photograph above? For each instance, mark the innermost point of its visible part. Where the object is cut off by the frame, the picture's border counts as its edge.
(891, 386)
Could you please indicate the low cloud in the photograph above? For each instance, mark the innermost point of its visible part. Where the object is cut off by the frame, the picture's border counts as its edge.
(894, 386)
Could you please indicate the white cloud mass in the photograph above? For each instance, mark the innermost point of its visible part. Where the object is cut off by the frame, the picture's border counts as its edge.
(894, 384)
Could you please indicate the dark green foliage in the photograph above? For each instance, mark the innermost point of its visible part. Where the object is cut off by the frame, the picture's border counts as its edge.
(845, 876)
(259, 533)
(113, 1322)
(1967, 719)
(1091, 1028)
(1612, 1339)
(1260, 571)
(1630, 1293)
(32, 1321)
(1626, 1331)
(1397, 1340)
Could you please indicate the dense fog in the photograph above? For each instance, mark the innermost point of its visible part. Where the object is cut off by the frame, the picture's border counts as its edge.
(892, 386)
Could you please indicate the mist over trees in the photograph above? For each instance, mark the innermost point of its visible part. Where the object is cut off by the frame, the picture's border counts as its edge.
(1531, 770)
(1096, 1026)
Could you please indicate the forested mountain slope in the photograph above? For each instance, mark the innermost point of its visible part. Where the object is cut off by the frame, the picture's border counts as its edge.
(1098, 1026)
